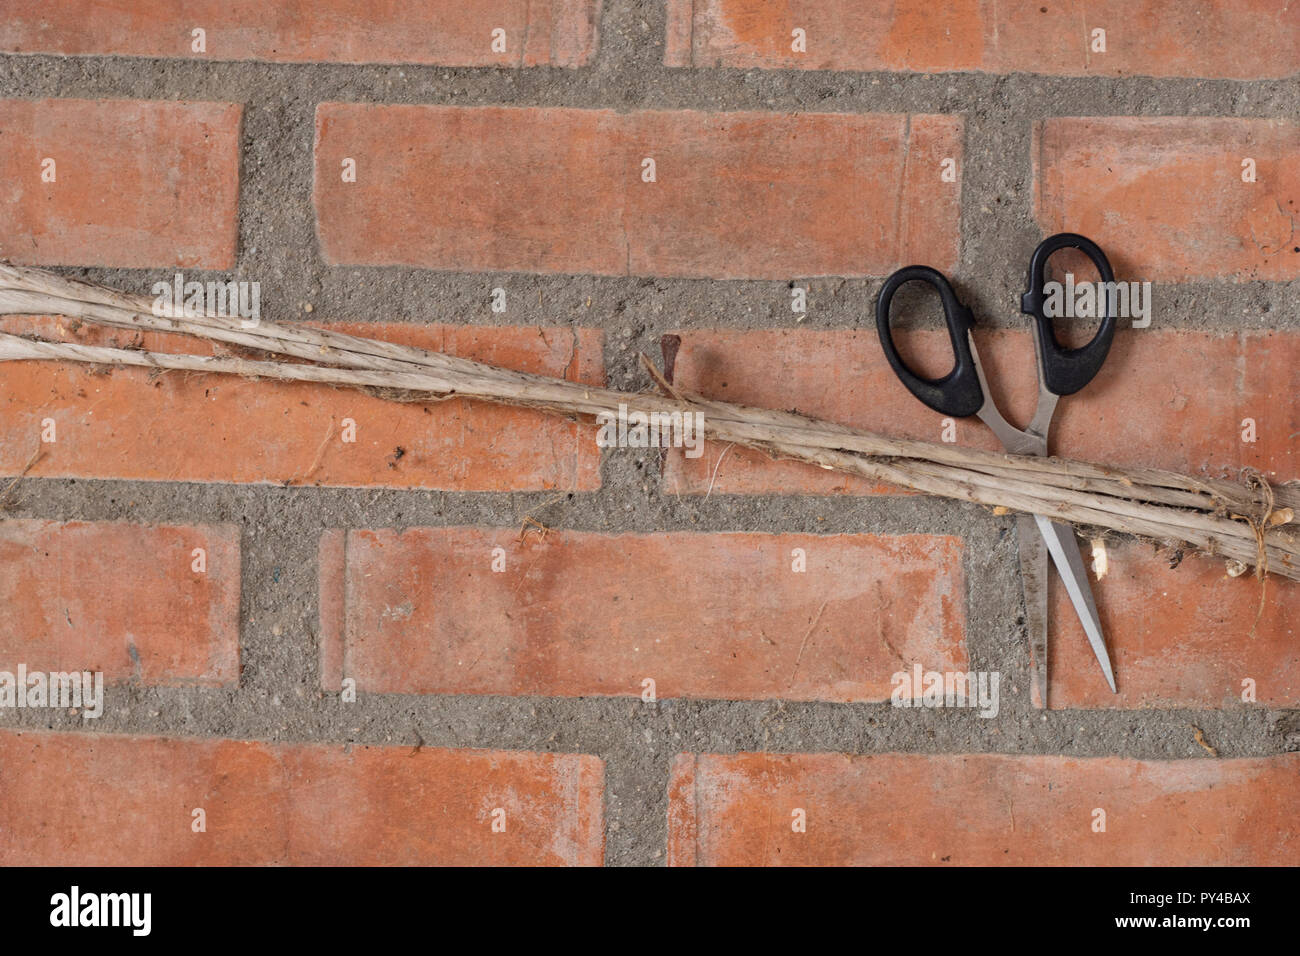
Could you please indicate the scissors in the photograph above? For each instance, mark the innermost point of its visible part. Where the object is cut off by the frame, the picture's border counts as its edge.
(964, 392)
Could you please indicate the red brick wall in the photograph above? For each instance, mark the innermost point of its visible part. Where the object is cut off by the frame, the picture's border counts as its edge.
(561, 656)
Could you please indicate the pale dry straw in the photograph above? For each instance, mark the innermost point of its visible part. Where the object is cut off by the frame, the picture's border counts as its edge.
(1245, 521)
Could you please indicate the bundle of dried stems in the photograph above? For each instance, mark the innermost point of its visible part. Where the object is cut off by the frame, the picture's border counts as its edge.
(1247, 522)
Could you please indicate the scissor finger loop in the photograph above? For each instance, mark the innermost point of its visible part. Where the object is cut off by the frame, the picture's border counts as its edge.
(964, 391)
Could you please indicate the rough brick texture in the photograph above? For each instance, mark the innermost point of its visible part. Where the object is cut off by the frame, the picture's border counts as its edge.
(1207, 38)
(124, 599)
(1179, 637)
(1165, 197)
(446, 32)
(981, 810)
(136, 183)
(488, 576)
(1208, 385)
(736, 195)
(82, 800)
(175, 427)
(577, 614)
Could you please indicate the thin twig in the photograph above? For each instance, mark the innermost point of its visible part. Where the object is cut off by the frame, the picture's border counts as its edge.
(320, 451)
(31, 462)
(807, 634)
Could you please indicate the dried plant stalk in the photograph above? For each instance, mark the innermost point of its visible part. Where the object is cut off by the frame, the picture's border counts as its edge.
(1239, 521)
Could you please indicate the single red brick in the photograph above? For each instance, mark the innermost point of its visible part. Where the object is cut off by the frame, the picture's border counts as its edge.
(580, 614)
(736, 195)
(445, 32)
(187, 427)
(123, 599)
(1184, 637)
(1211, 38)
(981, 810)
(137, 183)
(841, 376)
(839, 35)
(1165, 197)
(109, 800)
(1188, 418)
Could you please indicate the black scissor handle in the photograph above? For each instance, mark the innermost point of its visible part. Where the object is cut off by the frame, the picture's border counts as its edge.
(958, 393)
(1065, 371)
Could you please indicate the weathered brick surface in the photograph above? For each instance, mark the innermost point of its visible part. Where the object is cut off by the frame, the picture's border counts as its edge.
(528, 167)
(83, 800)
(736, 195)
(580, 614)
(1188, 636)
(178, 427)
(136, 183)
(1208, 385)
(1164, 195)
(445, 32)
(1236, 39)
(124, 599)
(981, 810)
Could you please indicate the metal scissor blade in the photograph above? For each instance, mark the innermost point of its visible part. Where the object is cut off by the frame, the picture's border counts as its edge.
(1033, 575)
(1064, 549)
